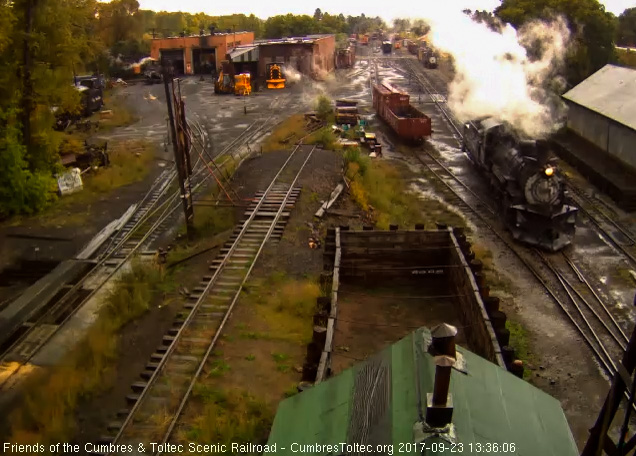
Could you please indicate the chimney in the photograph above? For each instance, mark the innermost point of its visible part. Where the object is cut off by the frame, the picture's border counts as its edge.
(444, 340)
(439, 410)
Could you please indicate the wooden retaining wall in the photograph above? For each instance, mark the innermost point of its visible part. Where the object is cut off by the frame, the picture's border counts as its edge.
(442, 258)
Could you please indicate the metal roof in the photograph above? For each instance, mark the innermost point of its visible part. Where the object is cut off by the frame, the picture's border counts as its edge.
(610, 92)
(244, 54)
(376, 402)
(309, 39)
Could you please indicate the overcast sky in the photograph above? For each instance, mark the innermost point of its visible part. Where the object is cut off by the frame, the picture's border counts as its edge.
(384, 8)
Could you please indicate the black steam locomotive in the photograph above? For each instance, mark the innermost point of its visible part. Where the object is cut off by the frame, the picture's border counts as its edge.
(387, 47)
(532, 194)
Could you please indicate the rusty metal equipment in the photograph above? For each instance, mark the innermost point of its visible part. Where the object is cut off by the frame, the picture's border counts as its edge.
(224, 84)
(275, 79)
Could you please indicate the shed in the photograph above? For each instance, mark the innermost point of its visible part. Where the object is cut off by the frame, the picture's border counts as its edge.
(602, 111)
(383, 401)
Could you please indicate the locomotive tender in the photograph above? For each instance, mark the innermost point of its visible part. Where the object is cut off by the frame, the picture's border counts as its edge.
(531, 193)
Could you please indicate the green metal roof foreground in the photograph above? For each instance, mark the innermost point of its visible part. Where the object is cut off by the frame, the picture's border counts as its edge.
(376, 403)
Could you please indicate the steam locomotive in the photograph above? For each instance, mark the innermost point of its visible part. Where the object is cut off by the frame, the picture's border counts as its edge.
(531, 193)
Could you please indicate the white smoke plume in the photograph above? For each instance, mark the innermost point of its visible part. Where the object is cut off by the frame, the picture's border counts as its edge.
(291, 74)
(496, 77)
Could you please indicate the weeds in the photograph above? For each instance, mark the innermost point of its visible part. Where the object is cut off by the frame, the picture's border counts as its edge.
(229, 417)
(520, 342)
(378, 186)
(279, 357)
(291, 391)
(218, 368)
(250, 358)
(286, 134)
(323, 107)
(47, 412)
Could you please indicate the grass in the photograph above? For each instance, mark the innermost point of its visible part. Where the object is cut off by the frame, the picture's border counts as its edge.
(285, 305)
(130, 162)
(121, 115)
(227, 417)
(286, 134)
(520, 342)
(379, 187)
(46, 413)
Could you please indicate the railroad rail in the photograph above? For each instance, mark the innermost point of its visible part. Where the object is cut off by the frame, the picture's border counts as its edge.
(179, 362)
(151, 216)
(576, 297)
(620, 237)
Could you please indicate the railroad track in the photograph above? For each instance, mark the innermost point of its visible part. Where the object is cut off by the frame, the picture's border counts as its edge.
(620, 237)
(574, 294)
(176, 366)
(155, 212)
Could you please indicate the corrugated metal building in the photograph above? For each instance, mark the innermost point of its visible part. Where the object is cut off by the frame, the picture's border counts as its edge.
(385, 400)
(602, 111)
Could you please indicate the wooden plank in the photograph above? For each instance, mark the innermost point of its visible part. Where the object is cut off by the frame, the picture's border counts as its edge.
(336, 277)
(322, 366)
(334, 196)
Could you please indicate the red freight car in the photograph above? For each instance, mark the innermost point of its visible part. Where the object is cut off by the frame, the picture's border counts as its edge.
(394, 107)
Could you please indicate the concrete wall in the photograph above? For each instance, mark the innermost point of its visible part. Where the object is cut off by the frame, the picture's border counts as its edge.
(608, 135)
(222, 43)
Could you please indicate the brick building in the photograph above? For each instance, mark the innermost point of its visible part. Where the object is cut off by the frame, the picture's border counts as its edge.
(198, 54)
(312, 55)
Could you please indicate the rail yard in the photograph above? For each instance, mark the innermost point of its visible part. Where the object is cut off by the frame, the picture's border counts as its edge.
(306, 203)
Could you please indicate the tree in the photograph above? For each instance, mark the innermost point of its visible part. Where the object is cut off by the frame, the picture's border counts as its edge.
(317, 14)
(626, 31)
(401, 25)
(420, 27)
(593, 30)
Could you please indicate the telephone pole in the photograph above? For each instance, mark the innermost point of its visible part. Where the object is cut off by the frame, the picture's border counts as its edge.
(181, 149)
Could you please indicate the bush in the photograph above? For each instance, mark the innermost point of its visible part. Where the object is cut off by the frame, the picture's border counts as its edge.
(323, 107)
(21, 190)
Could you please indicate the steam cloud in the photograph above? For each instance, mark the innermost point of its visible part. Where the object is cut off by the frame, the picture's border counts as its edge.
(495, 76)
(291, 74)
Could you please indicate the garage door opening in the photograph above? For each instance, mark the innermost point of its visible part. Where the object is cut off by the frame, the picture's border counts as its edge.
(174, 58)
(204, 60)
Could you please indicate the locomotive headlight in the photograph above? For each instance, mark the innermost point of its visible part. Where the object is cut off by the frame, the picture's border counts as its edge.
(549, 171)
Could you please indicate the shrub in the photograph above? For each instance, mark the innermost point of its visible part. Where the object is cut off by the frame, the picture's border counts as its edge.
(323, 107)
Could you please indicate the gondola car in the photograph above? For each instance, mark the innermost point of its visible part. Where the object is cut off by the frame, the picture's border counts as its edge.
(394, 107)
(533, 200)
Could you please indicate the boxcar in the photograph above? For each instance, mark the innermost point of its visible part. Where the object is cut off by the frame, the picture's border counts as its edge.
(394, 107)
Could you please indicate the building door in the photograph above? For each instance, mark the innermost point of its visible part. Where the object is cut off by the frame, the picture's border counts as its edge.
(174, 57)
(204, 60)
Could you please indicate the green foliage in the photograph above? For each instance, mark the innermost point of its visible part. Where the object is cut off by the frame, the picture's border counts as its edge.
(626, 30)
(21, 190)
(593, 30)
(323, 107)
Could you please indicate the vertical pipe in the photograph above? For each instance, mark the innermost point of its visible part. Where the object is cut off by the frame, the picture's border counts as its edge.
(443, 365)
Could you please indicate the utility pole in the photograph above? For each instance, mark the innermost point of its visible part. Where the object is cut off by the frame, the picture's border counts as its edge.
(181, 154)
(234, 29)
